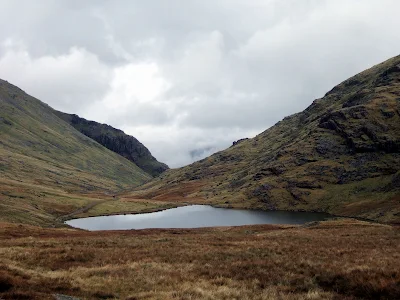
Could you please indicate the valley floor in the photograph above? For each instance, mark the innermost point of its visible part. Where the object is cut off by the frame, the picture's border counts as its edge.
(47, 206)
(341, 259)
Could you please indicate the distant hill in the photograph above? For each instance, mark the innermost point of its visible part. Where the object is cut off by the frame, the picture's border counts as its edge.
(340, 155)
(117, 141)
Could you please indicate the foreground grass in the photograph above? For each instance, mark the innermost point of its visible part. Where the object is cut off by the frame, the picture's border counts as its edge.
(341, 259)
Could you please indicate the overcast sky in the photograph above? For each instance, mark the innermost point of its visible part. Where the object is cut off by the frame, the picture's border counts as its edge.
(188, 77)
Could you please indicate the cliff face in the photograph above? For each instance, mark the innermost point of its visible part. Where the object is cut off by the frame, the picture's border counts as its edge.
(117, 141)
(340, 155)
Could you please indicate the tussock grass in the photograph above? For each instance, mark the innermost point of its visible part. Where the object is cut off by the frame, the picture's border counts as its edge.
(340, 259)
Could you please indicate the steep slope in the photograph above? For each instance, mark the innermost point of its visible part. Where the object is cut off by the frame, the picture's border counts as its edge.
(117, 141)
(30, 130)
(43, 159)
(340, 155)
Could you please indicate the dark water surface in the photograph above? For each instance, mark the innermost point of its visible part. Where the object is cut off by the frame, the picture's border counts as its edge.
(195, 216)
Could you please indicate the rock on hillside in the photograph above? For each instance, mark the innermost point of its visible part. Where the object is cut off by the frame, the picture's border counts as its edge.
(117, 141)
(340, 155)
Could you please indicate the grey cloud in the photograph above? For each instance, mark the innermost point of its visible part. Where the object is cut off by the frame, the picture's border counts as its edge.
(139, 115)
(213, 71)
(196, 154)
(69, 82)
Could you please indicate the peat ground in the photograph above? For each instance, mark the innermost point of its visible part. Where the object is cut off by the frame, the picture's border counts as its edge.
(340, 259)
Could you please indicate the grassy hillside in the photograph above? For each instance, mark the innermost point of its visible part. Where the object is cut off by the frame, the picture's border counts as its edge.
(42, 158)
(116, 140)
(340, 155)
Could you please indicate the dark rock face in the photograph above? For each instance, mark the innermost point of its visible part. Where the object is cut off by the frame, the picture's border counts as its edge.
(328, 147)
(396, 181)
(239, 141)
(117, 141)
(389, 76)
(5, 121)
(262, 193)
(360, 97)
(363, 131)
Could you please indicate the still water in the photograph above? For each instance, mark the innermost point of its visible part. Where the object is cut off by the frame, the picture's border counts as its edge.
(195, 216)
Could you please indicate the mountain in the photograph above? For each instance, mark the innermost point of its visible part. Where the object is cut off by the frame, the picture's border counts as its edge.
(43, 160)
(340, 155)
(117, 141)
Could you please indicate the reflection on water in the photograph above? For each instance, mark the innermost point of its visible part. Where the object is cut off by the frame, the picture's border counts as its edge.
(195, 216)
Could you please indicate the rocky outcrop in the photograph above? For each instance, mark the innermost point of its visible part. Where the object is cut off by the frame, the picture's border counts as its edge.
(117, 141)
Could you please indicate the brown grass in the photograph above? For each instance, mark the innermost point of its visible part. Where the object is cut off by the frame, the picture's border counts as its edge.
(34, 204)
(127, 205)
(341, 259)
(177, 192)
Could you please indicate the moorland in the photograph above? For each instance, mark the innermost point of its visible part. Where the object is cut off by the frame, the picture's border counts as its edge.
(341, 155)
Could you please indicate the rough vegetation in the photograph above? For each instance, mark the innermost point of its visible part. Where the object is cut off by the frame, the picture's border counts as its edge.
(340, 155)
(116, 140)
(330, 260)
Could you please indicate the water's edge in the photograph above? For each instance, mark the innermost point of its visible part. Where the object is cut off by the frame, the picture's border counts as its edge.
(124, 213)
(327, 216)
